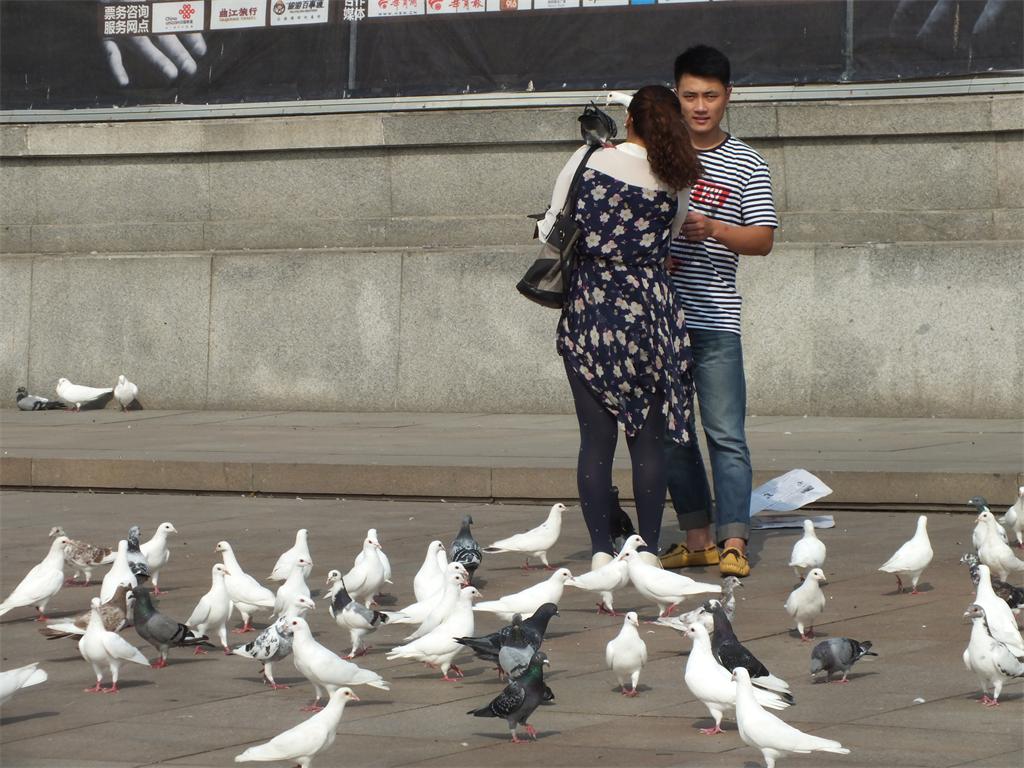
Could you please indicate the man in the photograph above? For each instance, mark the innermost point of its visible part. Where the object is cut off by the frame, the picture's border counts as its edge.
(731, 213)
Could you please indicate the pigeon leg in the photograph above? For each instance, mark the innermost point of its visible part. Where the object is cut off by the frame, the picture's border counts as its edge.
(198, 651)
(915, 591)
(844, 680)
(160, 663)
(454, 668)
(41, 616)
(361, 652)
(711, 731)
(112, 689)
(157, 591)
(526, 565)
(899, 584)
(314, 707)
(531, 731)
(602, 608)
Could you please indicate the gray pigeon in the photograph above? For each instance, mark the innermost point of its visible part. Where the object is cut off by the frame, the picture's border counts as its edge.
(137, 562)
(27, 402)
(270, 645)
(516, 652)
(520, 698)
(486, 647)
(159, 630)
(838, 655)
(465, 549)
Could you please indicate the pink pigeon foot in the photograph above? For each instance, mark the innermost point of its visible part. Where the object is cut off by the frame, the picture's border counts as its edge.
(550, 568)
(112, 689)
(247, 627)
(159, 664)
(632, 693)
(531, 731)
(95, 689)
(277, 686)
(157, 591)
(844, 680)
(517, 740)
(198, 651)
(915, 591)
(314, 707)
(711, 731)
(602, 608)
(361, 652)
(41, 617)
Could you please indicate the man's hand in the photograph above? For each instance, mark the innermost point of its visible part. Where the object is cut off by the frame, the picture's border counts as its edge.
(698, 227)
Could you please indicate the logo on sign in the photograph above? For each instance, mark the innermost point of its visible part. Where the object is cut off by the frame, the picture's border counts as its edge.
(280, 7)
(186, 11)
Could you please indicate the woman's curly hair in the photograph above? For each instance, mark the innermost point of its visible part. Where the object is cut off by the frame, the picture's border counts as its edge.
(658, 120)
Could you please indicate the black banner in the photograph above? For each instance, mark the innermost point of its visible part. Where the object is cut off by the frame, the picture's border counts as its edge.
(58, 54)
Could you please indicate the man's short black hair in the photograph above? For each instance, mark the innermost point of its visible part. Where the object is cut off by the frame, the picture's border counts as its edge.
(704, 61)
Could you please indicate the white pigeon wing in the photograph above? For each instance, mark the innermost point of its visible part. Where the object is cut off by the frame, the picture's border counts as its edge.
(119, 648)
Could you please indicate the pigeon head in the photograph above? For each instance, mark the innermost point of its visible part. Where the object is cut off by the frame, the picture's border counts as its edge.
(60, 542)
(134, 532)
(20, 393)
(469, 594)
(809, 527)
(974, 611)
(741, 675)
(333, 576)
(467, 520)
(345, 693)
(302, 562)
(301, 601)
(296, 624)
(631, 618)
(95, 603)
(562, 574)
(545, 612)
(62, 381)
(557, 509)
(121, 379)
(56, 531)
(729, 583)
(985, 517)
(818, 575)
(222, 546)
(370, 542)
(219, 571)
(167, 528)
(970, 559)
(978, 502)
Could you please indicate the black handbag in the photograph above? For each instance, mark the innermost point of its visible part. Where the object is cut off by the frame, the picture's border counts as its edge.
(546, 282)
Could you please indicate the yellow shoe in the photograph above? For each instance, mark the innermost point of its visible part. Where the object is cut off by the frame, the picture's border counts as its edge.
(678, 556)
(734, 563)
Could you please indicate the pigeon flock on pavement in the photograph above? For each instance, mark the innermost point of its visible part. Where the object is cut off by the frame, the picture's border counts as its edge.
(79, 396)
(723, 674)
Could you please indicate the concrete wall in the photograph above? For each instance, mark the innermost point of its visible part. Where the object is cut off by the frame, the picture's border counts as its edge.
(368, 261)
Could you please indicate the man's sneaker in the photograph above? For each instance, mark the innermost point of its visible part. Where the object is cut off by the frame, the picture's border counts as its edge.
(678, 556)
(734, 563)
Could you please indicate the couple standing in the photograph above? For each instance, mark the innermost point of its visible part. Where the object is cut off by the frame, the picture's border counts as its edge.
(653, 314)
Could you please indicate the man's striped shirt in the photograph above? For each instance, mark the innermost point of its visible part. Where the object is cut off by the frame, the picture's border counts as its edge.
(736, 187)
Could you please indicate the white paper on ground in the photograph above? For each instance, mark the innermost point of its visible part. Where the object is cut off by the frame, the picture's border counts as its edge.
(788, 493)
(791, 521)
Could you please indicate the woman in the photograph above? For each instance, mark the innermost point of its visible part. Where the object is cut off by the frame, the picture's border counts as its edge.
(621, 336)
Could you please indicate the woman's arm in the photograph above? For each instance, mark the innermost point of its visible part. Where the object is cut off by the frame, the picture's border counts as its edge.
(681, 210)
(559, 194)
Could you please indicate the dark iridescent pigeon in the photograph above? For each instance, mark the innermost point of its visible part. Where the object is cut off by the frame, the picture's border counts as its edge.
(465, 549)
(520, 698)
(837, 655)
(486, 647)
(730, 653)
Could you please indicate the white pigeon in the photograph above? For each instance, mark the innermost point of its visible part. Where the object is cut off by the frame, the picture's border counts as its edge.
(608, 577)
(998, 615)
(912, 558)
(771, 735)
(41, 583)
(157, 553)
(213, 610)
(442, 606)
(713, 684)
(442, 559)
(428, 578)
(527, 601)
(536, 541)
(1014, 517)
(78, 395)
(666, 588)
(102, 648)
(994, 551)
(272, 644)
(808, 551)
(385, 562)
(247, 594)
(806, 602)
(366, 577)
(990, 659)
(283, 566)
(438, 648)
(13, 680)
(626, 654)
(417, 612)
(301, 743)
(981, 528)
(120, 573)
(82, 556)
(325, 669)
(293, 586)
(125, 392)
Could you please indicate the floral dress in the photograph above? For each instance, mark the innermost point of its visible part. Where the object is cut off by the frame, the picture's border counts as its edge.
(621, 330)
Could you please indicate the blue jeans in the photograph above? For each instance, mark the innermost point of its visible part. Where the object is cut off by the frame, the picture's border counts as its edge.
(722, 397)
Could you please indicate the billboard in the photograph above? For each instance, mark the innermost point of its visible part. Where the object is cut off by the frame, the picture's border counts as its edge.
(67, 54)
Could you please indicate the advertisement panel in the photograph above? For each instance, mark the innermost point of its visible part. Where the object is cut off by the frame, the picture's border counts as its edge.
(68, 54)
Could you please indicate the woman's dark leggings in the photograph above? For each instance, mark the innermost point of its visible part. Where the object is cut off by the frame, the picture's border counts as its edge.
(599, 431)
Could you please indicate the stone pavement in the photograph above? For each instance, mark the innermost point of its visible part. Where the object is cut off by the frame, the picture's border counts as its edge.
(873, 462)
(202, 711)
